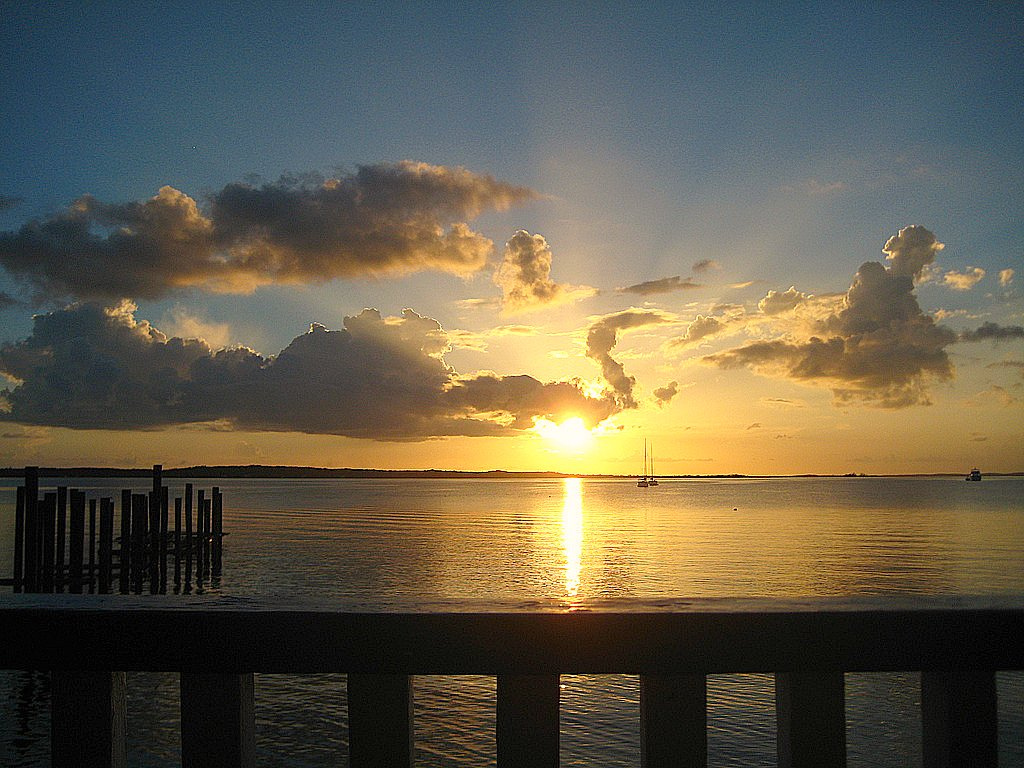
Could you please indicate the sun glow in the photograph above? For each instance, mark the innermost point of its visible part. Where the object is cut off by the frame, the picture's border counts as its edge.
(571, 436)
(572, 534)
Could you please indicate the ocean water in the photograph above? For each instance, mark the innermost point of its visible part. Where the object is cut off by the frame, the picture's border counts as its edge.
(386, 543)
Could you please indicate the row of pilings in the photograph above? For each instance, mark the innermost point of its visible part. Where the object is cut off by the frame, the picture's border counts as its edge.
(65, 542)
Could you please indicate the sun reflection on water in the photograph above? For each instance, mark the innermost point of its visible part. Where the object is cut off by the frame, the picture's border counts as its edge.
(572, 533)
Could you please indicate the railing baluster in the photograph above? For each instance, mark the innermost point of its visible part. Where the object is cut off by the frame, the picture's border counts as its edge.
(217, 720)
(673, 720)
(527, 721)
(380, 721)
(87, 720)
(959, 718)
(811, 714)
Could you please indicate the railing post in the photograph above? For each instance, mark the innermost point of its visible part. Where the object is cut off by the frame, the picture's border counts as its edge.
(380, 721)
(527, 721)
(218, 728)
(673, 721)
(959, 718)
(810, 710)
(87, 726)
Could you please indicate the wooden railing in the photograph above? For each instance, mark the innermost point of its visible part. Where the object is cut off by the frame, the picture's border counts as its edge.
(88, 644)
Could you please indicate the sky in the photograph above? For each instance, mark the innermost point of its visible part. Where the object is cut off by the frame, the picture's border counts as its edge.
(757, 238)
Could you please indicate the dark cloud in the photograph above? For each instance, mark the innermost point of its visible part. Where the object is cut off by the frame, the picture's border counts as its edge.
(383, 219)
(705, 265)
(7, 202)
(879, 348)
(524, 275)
(993, 331)
(7, 301)
(91, 367)
(664, 395)
(664, 285)
(602, 338)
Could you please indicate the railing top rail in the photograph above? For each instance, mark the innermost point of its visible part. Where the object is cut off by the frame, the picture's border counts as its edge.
(665, 636)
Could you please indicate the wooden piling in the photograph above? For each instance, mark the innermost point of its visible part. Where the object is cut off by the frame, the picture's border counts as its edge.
(19, 540)
(87, 716)
(188, 537)
(218, 531)
(140, 534)
(91, 573)
(380, 721)
(163, 539)
(177, 542)
(217, 720)
(124, 552)
(62, 534)
(527, 721)
(76, 541)
(811, 719)
(106, 544)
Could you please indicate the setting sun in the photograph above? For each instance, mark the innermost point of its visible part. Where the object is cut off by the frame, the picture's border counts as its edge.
(571, 435)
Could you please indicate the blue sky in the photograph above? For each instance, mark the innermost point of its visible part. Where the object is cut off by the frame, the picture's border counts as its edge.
(784, 143)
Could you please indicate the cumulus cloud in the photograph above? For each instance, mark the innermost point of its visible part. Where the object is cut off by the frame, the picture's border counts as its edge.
(524, 276)
(1006, 277)
(993, 331)
(963, 281)
(383, 219)
(701, 327)
(94, 367)
(663, 395)
(776, 302)
(878, 348)
(664, 285)
(705, 265)
(602, 338)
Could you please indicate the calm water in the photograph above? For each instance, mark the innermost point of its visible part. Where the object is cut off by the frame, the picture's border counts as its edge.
(387, 543)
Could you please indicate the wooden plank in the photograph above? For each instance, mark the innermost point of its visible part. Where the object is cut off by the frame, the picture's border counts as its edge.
(217, 720)
(673, 721)
(527, 721)
(380, 721)
(32, 534)
(811, 715)
(48, 516)
(87, 721)
(959, 718)
(282, 636)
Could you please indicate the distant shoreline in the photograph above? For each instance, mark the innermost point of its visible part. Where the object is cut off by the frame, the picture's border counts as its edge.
(256, 471)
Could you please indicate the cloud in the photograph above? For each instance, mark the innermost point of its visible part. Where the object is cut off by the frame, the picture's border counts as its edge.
(385, 219)
(7, 301)
(383, 378)
(181, 321)
(664, 285)
(701, 327)
(775, 302)
(1017, 365)
(993, 331)
(963, 281)
(602, 338)
(705, 265)
(663, 395)
(755, 425)
(1006, 277)
(524, 276)
(878, 348)
(911, 251)
(7, 202)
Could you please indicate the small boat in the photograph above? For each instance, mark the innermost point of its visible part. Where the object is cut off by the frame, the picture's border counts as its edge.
(975, 475)
(641, 482)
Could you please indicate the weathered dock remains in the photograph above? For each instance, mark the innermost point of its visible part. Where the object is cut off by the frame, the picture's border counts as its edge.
(65, 541)
(956, 644)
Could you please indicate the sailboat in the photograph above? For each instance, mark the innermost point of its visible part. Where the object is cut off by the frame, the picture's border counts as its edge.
(641, 482)
(651, 480)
